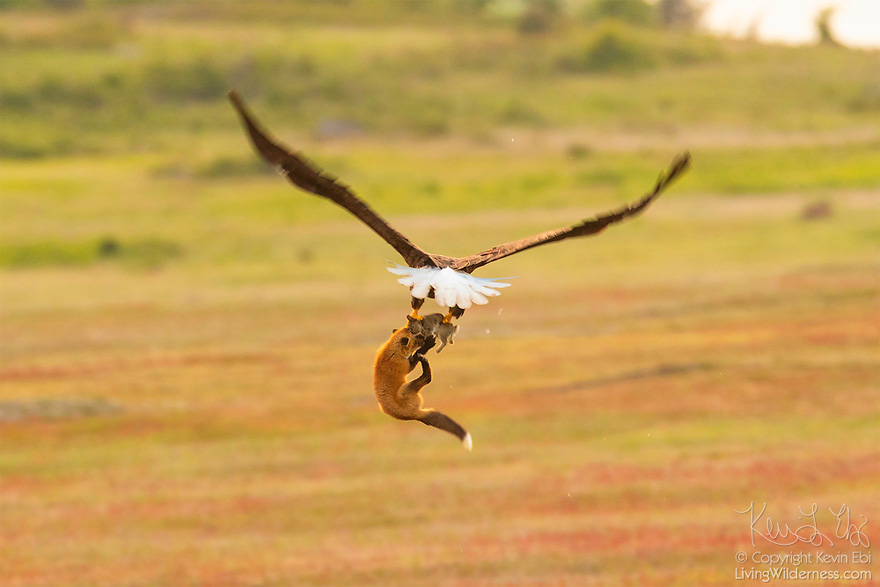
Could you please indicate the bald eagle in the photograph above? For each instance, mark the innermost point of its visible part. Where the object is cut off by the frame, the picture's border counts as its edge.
(447, 279)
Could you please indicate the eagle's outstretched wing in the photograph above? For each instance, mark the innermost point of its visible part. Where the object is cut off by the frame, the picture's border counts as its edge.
(304, 175)
(585, 228)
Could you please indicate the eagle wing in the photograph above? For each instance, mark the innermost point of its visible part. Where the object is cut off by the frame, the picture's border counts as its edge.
(587, 227)
(308, 177)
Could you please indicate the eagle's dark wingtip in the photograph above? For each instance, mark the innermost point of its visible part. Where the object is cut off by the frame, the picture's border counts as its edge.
(243, 111)
(311, 179)
(240, 107)
(680, 164)
(684, 160)
(274, 153)
(235, 98)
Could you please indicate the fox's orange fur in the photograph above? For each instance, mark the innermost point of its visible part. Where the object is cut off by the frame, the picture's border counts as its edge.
(401, 399)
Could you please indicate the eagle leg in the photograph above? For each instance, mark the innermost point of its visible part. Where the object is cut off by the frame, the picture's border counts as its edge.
(416, 303)
(454, 312)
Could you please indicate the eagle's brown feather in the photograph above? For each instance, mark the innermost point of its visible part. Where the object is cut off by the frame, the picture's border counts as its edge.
(311, 179)
(308, 177)
(587, 227)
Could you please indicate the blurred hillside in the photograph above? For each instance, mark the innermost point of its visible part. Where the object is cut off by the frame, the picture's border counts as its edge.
(522, 103)
(111, 77)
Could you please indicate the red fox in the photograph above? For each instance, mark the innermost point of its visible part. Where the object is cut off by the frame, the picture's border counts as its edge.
(401, 399)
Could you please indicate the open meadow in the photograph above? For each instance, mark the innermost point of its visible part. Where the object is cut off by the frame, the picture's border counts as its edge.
(186, 342)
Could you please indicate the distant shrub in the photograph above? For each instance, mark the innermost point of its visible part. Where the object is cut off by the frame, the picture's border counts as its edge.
(431, 123)
(600, 176)
(334, 88)
(613, 49)
(679, 14)
(197, 81)
(432, 189)
(867, 99)
(823, 27)
(34, 146)
(64, 4)
(635, 12)
(10, 4)
(144, 253)
(219, 168)
(252, 74)
(11, 99)
(431, 118)
(539, 16)
(51, 93)
(516, 112)
(471, 6)
(150, 253)
(234, 167)
(617, 48)
(113, 80)
(691, 49)
(72, 93)
(578, 151)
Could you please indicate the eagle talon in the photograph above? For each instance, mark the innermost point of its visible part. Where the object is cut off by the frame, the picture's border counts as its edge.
(416, 304)
(454, 312)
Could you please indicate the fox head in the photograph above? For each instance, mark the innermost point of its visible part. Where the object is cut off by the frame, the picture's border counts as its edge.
(405, 342)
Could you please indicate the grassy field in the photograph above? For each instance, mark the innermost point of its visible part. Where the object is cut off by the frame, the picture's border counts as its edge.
(186, 343)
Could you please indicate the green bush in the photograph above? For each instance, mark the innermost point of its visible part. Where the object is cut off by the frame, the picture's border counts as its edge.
(679, 14)
(53, 92)
(65, 4)
(613, 49)
(516, 112)
(867, 99)
(20, 100)
(539, 16)
(197, 81)
(635, 12)
(143, 253)
(234, 167)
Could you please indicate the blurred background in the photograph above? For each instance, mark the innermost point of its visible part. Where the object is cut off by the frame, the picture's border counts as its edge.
(186, 341)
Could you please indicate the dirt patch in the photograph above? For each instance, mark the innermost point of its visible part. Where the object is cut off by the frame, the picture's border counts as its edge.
(55, 409)
(696, 137)
(97, 369)
(664, 370)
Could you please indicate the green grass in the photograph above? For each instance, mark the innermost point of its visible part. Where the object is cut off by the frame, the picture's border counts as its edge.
(209, 331)
(150, 79)
(157, 208)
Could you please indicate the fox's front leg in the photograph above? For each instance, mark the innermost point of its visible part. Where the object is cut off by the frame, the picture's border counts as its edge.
(426, 346)
(419, 382)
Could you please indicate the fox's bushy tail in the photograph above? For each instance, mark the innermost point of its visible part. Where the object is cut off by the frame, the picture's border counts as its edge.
(444, 422)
